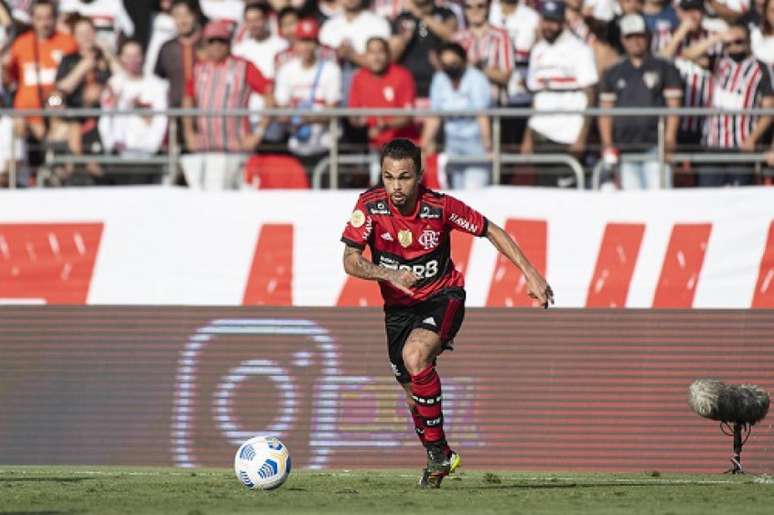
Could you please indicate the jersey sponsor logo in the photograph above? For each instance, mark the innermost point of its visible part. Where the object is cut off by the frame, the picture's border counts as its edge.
(369, 226)
(429, 212)
(378, 208)
(462, 222)
(357, 219)
(405, 237)
(387, 237)
(422, 271)
(429, 239)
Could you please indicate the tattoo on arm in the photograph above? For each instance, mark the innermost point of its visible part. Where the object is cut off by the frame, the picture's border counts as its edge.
(356, 265)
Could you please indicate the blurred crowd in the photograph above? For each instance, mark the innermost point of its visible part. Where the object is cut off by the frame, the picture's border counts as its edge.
(546, 55)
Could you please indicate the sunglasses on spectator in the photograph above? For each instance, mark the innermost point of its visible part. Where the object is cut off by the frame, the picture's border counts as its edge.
(218, 40)
(736, 42)
(470, 7)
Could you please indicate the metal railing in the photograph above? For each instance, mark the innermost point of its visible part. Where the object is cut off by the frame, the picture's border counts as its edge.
(497, 158)
(692, 157)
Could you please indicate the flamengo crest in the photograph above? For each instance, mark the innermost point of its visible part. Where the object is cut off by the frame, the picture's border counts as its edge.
(429, 239)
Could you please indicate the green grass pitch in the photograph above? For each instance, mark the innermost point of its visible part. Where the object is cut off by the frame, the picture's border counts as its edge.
(106, 490)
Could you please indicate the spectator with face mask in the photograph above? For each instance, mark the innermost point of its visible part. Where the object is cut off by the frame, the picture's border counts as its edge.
(135, 135)
(457, 87)
(740, 82)
(383, 85)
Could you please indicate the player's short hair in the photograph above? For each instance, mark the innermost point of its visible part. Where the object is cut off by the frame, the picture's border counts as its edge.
(399, 149)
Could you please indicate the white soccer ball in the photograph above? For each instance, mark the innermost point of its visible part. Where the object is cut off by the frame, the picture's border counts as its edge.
(262, 463)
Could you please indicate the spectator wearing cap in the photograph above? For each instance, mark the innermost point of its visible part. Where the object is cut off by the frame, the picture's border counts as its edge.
(382, 84)
(459, 86)
(638, 80)
(221, 82)
(348, 33)
(562, 76)
(308, 82)
(613, 32)
(418, 33)
(739, 82)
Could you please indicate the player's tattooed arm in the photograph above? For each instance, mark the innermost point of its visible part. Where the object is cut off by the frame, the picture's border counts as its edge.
(536, 284)
(358, 266)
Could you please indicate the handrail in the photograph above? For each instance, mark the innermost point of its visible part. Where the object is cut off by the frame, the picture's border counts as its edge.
(566, 159)
(694, 157)
(334, 114)
(341, 112)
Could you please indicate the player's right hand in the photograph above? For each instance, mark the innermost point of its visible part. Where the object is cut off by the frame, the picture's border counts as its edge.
(403, 280)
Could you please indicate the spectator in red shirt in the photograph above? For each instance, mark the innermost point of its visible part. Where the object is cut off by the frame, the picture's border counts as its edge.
(385, 85)
(221, 82)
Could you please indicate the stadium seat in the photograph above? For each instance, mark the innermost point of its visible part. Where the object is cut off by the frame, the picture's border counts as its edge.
(275, 171)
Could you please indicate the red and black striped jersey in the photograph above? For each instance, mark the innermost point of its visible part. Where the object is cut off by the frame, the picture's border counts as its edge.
(419, 242)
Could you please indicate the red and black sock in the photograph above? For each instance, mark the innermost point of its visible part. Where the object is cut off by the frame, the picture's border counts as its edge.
(426, 392)
(419, 424)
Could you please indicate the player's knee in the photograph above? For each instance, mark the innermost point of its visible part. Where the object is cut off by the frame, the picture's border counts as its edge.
(416, 358)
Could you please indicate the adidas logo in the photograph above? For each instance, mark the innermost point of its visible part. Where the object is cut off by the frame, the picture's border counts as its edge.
(429, 320)
(387, 236)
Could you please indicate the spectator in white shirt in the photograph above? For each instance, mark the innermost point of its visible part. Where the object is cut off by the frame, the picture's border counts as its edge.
(562, 76)
(348, 33)
(308, 82)
(109, 17)
(136, 134)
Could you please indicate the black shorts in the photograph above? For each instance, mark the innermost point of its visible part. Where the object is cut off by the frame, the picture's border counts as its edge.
(442, 314)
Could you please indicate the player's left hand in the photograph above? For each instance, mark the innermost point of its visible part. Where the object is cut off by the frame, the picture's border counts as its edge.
(540, 290)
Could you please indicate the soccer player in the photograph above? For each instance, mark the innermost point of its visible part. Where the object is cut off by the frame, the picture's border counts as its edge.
(407, 228)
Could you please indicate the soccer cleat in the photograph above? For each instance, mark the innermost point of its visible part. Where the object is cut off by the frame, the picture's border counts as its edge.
(439, 465)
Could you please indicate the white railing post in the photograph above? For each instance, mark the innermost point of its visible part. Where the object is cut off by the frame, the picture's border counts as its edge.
(662, 169)
(334, 152)
(496, 148)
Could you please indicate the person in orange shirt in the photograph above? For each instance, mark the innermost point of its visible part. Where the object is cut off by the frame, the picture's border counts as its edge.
(32, 64)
